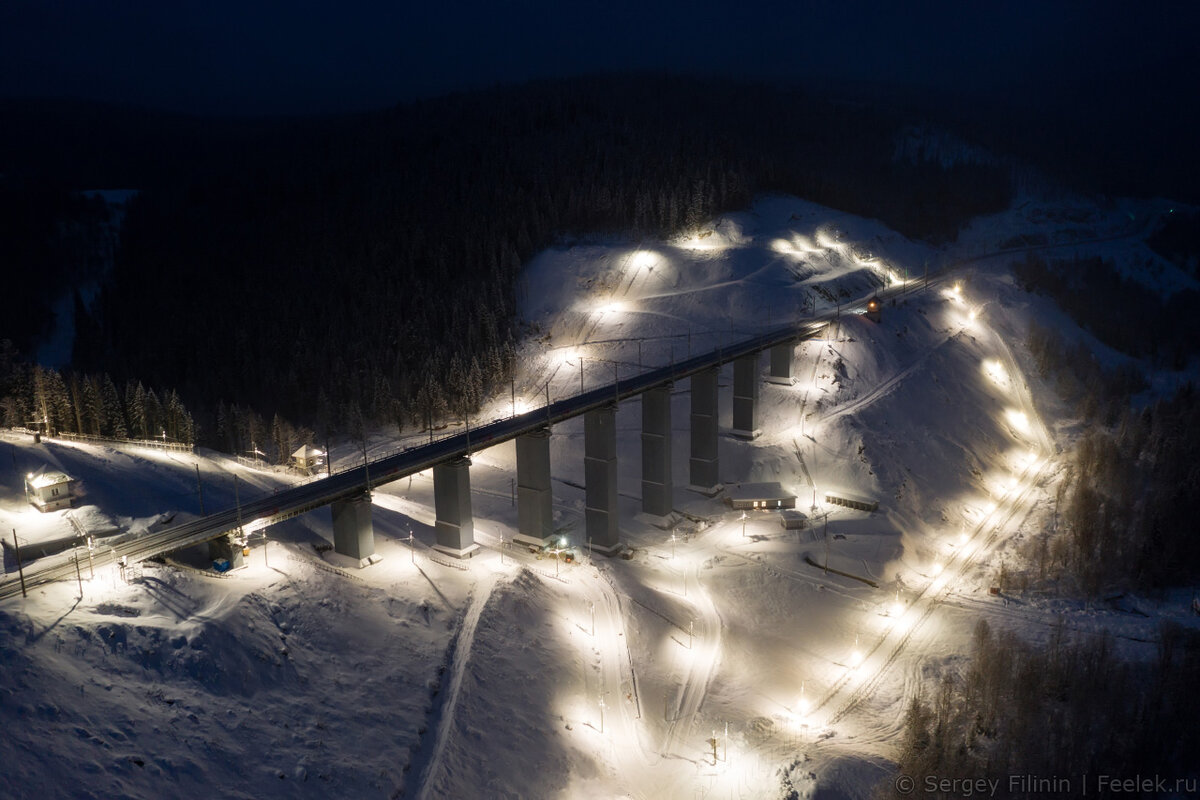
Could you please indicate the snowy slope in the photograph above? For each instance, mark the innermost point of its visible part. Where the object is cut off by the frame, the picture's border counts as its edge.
(419, 677)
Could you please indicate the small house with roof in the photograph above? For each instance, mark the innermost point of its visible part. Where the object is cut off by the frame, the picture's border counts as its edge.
(48, 490)
(307, 458)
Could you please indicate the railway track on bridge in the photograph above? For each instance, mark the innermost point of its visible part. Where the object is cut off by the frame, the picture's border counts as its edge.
(262, 512)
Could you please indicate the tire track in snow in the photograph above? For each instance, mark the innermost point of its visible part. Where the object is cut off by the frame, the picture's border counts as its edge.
(885, 387)
(931, 601)
(444, 716)
(702, 666)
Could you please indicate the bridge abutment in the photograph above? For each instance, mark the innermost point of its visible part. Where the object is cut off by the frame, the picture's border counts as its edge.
(745, 396)
(535, 520)
(454, 525)
(781, 363)
(657, 486)
(600, 479)
(703, 466)
(353, 531)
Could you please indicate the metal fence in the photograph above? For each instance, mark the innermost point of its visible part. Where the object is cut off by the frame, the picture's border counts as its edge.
(159, 444)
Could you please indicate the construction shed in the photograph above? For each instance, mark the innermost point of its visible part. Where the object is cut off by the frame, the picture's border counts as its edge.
(761, 496)
(793, 520)
(851, 501)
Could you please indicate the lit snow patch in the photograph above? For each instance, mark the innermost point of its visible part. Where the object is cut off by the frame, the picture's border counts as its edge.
(1019, 420)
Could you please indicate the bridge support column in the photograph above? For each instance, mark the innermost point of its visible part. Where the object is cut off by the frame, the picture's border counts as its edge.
(745, 396)
(600, 479)
(657, 488)
(535, 520)
(781, 363)
(353, 533)
(454, 526)
(703, 465)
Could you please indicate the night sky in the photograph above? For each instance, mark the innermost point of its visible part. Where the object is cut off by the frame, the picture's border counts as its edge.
(301, 56)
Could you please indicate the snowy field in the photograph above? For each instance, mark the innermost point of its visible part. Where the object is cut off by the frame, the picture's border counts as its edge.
(728, 658)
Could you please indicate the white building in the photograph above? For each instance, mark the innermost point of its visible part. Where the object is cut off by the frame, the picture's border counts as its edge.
(48, 490)
(308, 458)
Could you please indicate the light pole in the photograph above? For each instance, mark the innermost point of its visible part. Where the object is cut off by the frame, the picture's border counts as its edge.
(20, 568)
(412, 550)
(78, 576)
(825, 536)
(743, 524)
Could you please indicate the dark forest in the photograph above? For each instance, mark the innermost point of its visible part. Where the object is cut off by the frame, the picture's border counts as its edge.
(361, 269)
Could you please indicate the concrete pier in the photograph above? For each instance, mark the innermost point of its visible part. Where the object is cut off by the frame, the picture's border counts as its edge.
(353, 532)
(703, 466)
(781, 363)
(657, 487)
(745, 396)
(227, 547)
(535, 515)
(454, 525)
(600, 479)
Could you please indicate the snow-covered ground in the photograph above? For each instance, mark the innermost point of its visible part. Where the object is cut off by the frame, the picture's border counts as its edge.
(722, 660)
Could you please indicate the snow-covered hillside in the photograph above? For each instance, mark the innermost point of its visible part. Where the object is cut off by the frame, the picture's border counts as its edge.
(728, 657)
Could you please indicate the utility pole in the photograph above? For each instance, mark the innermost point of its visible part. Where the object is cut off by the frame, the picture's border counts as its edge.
(20, 569)
(366, 464)
(78, 575)
(826, 537)
(200, 491)
(237, 501)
